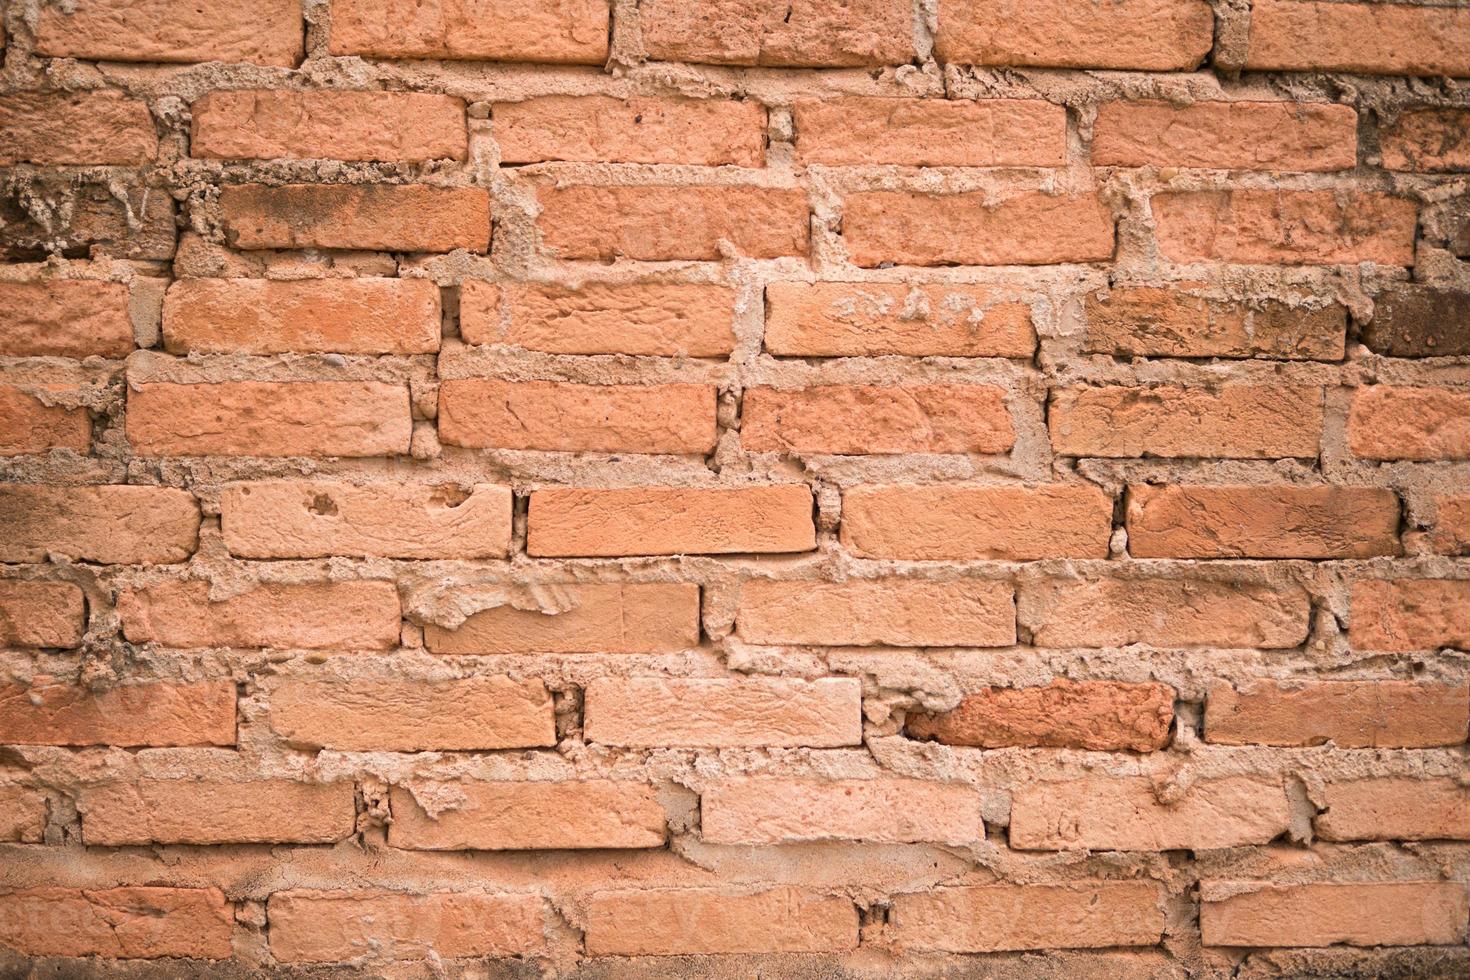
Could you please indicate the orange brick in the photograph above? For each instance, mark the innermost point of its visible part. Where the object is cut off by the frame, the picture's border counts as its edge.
(22, 819)
(1005, 523)
(723, 713)
(379, 217)
(76, 128)
(309, 616)
(311, 926)
(1427, 139)
(1371, 38)
(804, 33)
(931, 132)
(1394, 809)
(1349, 714)
(195, 811)
(567, 521)
(976, 228)
(154, 714)
(401, 715)
(261, 316)
(651, 319)
(41, 614)
(1388, 422)
(1094, 715)
(1289, 136)
(599, 128)
(269, 32)
(1452, 525)
(65, 318)
(566, 32)
(266, 124)
(269, 418)
(994, 918)
(880, 612)
(1154, 35)
(860, 419)
(111, 525)
(869, 319)
(132, 923)
(1159, 322)
(1408, 913)
(1292, 227)
(661, 223)
(673, 921)
(28, 425)
(892, 811)
(1312, 522)
(526, 816)
(659, 617)
(1410, 614)
(562, 417)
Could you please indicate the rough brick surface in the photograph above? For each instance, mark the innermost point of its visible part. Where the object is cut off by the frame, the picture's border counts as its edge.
(881, 612)
(1159, 35)
(679, 920)
(85, 128)
(707, 132)
(157, 714)
(1096, 715)
(266, 125)
(1150, 321)
(652, 711)
(22, 815)
(189, 811)
(527, 816)
(579, 618)
(1375, 39)
(390, 217)
(812, 33)
(141, 923)
(1410, 423)
(931, 132)
(310, 616)
(772, 811)
(105, 524)
(1428, 139)
(877, 420)
(1410, 614)
(1352, 714)
(1366, 914)
(1420, 321)
(29, 425)
(65, 318)
(1226, 135)
(564, 32)
(41, 614)
(266, 33)
(1395, 809)
(1015, 917)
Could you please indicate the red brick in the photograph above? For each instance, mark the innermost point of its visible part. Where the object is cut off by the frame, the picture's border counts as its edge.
(1154, 35)
(651, 319)
(1233, 421)
(75, 128)
(599, 128)
(379, 217)
(723, 713)
(660, 223)
(1410, 614)
(859, 419)
(1153, 321)
(1005, 523)
(41, 614)
(869, 319)
(526, 816)
(111, 525)
(1313, 522)
(658, 617)
(673, 921)
(568, 521)
(1427, 139)
(803, 33)
(132, 923)
(879, 612)
(269, 418)
(994, 918)
(309, 616)
(562, 417)
(976, 228)
(1371, 38)
(318, 519)
(266, 124)
(65, 318)
(311, 926)
(22, 817)
(153, 714)
(1289, 227)
(1349, 714)
(1093, 715)
(1409, 423)
(1292, 136)
(1402, 808)
(892, 811)
(565, 32)
(1452, 525)
(202, 811)
(269, 32)
(931, 132)
(1407, 913)
(28, 425)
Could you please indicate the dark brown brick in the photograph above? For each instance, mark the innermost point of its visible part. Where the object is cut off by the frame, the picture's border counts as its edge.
(1420, 321)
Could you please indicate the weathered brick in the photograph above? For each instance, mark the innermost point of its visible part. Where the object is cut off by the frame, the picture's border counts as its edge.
(673, 921)
(564, 32)
(333, 926)
(111, 525)
(132, 923)
(75, 128)
(269, 124)
(657, 617)
(661, 223)
(931, 132)
(567, 521)
(41, 614)
(65, 318)
(1411, 320)
(85, 216)
(1388, 422)
(1349, 714)
(1427, 139)
(976, 228)
(893, 811)
(205, 811)
(22, 819)
(558, 416)
(1154, 35)
(1410, 614)
(1261, 522)
(1394, 808)
(880, 612)
(869, 319)
(1095, 715)
(380, 217)
(719, 712)
(152, 714)
(1226, 135)
(1005, 523)
(1371, 38)
(1101, 813)
(269, 418)
(861, 419)
(803, 33)
(268, 32)
(1153, 321)
(599, 128)
(1408, 913)
(1289, 227)
(994, 918)
(363, 615)
(1452, 525)
(522, 816)
(28, 425)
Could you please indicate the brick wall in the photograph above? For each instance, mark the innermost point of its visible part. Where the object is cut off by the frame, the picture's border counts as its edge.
(699, 488)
